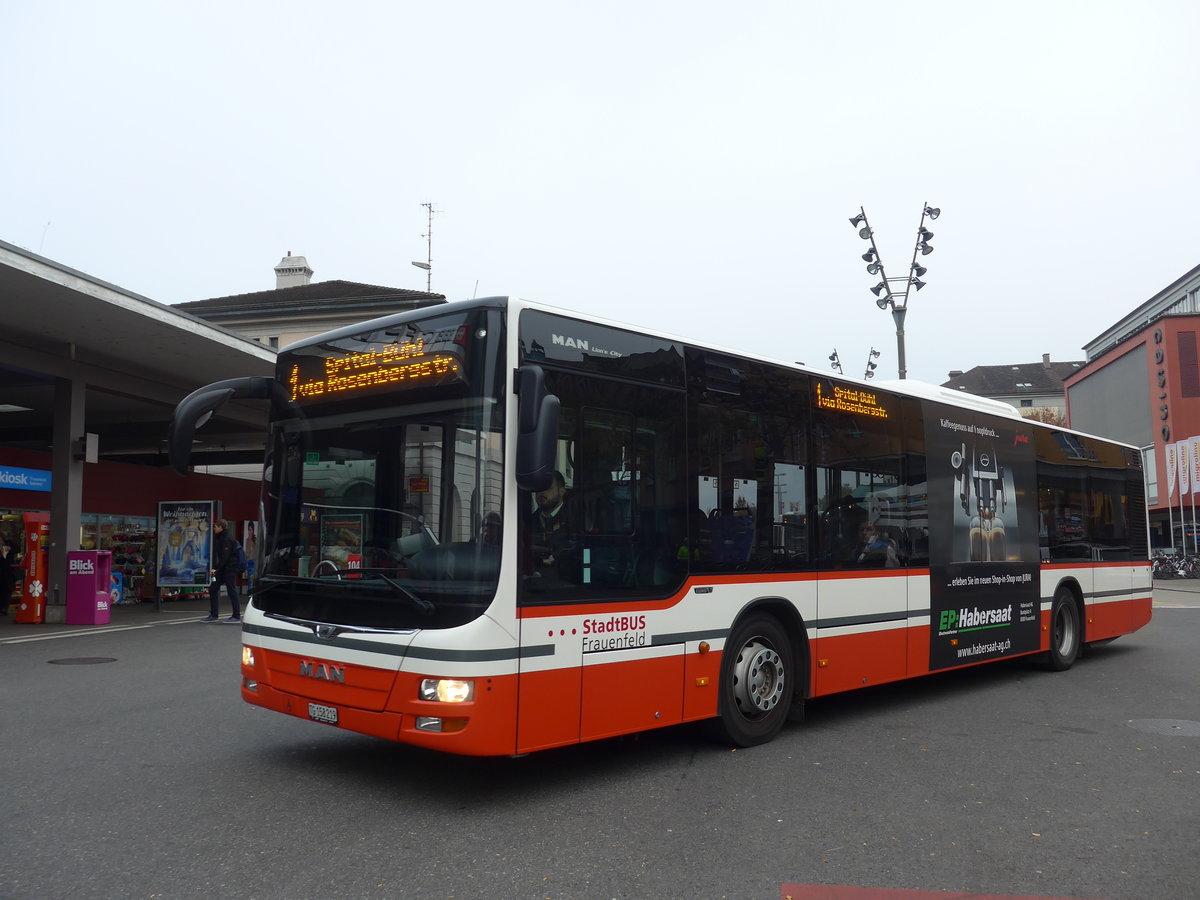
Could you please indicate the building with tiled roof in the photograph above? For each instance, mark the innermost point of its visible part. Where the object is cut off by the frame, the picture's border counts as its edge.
(1027, 386)
(299, 308)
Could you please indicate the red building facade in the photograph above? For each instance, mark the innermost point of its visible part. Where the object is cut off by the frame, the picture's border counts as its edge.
(1141, 385)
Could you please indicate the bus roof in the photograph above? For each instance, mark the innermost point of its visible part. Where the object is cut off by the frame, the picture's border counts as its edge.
(918, 389)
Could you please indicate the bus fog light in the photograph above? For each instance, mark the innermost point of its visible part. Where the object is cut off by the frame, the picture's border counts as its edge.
(247, 656)
(447, 690)
(250, 684)
(435, 723)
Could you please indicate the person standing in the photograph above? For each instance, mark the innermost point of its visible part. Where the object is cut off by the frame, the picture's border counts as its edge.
(8, 575)
(224, 572)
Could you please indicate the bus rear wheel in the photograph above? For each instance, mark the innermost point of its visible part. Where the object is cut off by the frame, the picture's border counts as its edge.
(1064, 632)
(757, 669)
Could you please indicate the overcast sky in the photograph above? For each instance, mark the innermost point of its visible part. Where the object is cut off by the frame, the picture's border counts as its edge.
(686, 166)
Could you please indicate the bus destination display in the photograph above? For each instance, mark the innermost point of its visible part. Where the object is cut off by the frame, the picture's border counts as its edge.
(849, 400)
(401, 365)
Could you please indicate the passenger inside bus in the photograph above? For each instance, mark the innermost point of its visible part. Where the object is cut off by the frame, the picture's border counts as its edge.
(874, 549)
(489, 530)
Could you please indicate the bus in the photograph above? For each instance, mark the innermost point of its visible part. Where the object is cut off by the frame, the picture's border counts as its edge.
(493, 527)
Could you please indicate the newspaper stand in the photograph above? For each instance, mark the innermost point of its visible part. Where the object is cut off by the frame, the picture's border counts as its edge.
(88, 575)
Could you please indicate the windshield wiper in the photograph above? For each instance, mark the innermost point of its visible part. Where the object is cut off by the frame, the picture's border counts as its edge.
(357, 576)
(420, 604)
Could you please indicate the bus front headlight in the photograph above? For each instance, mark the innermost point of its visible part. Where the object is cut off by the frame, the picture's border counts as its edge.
(447, 690)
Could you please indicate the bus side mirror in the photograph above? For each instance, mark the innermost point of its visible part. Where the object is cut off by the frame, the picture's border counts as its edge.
(538, 430)
(198, 407)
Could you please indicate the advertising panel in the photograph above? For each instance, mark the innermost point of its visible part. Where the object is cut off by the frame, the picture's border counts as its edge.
(984, 590)
(250, 545)
(342, 541)
(184, 542)
(32, 606)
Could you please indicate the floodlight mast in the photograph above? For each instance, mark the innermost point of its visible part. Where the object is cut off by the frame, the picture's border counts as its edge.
(896, 299)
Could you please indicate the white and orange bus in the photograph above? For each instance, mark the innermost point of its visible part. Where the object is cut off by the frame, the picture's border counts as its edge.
(704, 559)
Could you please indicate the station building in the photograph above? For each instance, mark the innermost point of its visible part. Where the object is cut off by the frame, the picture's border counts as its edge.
(90, 374)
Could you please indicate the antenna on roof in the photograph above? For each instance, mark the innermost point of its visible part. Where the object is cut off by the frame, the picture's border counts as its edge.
(428, 235)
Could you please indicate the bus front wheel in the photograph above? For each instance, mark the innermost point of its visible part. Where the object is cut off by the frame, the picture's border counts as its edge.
(1064, 632)
(757, 669)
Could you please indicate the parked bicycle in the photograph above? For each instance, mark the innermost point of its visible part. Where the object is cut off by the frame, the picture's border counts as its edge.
(1167, 565)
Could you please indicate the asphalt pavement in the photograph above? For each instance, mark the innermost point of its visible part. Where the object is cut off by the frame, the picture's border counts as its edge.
(1182, 593)
(131, 768)
(122, 615)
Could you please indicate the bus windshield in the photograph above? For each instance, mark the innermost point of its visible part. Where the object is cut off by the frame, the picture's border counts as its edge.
(383, 481)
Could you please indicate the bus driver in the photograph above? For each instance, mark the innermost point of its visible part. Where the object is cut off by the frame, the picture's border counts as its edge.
(552, 533)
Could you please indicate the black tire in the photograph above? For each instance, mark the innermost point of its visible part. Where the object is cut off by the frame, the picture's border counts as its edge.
(757, 682)
(1065, 633)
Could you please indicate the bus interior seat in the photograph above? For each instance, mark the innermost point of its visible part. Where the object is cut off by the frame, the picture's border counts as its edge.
(732, 538)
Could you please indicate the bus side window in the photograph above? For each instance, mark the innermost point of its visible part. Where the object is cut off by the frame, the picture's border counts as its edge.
(750, 466)
(622, 444)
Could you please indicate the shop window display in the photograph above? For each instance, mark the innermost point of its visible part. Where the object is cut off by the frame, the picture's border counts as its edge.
(131, 541)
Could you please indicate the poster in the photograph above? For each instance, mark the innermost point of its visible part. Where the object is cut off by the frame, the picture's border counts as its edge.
(341, 539)
(184, 542)
(250, 545)
(984, 567)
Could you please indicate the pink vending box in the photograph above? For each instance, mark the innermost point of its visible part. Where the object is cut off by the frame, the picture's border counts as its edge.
(88, 575)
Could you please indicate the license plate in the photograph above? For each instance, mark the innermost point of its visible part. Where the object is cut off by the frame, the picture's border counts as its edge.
(319, 713)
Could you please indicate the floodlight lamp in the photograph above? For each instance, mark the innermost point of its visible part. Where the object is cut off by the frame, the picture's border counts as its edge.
(879, 287)
(872, 366)
(919, 270)
(869, 374)
(858, 220)
(833, 357)
(932, 211)
(869, 256)
(882, 302)
(865, 234)
(918, 283)
(924, 248)
(874, 353)
(925, 234)
(873, 268)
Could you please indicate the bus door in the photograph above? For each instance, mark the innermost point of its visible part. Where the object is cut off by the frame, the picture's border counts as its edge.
(600, 555)
(861, 541)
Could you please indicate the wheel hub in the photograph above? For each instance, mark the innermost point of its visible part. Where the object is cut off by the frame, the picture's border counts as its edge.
(758, 678)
